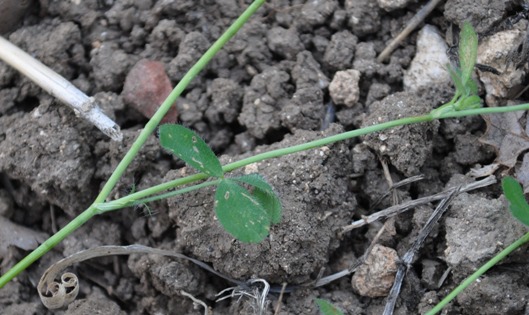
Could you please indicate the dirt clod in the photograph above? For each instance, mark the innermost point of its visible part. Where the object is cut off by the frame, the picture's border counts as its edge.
(375, 277)
(495, 52)
(340, 51)
(344, 87)
(407, 147)
(467, 247)
(284, 42)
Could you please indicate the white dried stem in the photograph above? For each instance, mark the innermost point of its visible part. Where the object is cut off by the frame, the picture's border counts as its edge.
(196, 301)
(59, 87)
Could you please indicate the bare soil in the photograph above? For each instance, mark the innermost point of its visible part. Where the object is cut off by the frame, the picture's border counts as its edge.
(267, 89)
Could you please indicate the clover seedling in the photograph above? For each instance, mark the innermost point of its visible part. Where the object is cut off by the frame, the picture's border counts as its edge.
(247, 216)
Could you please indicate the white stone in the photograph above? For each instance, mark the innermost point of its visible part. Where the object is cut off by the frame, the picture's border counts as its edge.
(344, 88)
(390, 5)
(429, 67)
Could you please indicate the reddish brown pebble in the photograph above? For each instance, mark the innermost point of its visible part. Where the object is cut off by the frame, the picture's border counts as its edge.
(375, 277)
(146, 87)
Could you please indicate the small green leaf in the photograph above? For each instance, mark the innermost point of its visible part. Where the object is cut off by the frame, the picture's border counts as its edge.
(240, 213)
(468, 51)
(470, 102)
(188, 146)
(455, 74)
(517, 203)
(326, 308)
(471, 87)
(264, 194)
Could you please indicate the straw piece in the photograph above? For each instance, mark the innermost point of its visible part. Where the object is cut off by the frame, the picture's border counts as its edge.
(59, 87)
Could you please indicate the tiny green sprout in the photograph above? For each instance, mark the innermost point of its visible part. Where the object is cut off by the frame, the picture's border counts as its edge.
(468, 51)
(471, 102)
(465, 96)
(466, 87)
(326, 308)
(145, 208)
(517, 203)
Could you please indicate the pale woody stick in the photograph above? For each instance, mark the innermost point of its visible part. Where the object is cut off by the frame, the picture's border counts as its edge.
(59, 87)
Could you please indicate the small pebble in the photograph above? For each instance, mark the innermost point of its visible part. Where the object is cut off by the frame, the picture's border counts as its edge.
(428, 68)
(344, 88)
(375, 277)
(390, 5)
(146, 87)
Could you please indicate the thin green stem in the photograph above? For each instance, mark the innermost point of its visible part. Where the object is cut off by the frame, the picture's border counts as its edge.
(125, 202)
(314, 144)
(134, 149)
(47, 246)
(496, 259)
(267, 155)
(179, 192)
(485, 111)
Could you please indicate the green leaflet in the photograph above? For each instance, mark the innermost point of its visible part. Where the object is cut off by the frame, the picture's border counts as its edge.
(455, 74)
(240, 213)
(517, 203)
(189, 147)
(468, 51)
(326, 308)
(473, 101)
(264, 194)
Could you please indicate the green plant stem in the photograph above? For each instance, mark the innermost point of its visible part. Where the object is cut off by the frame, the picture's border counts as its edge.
(130, 199)
(496, 259)
(125, 202)
(134, 149)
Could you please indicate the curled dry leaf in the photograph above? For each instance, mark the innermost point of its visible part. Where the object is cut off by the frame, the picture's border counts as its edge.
(55, 295)
(508, 134)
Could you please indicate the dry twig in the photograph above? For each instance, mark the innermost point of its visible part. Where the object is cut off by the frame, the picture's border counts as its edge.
(394, 210)
(407, 259)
